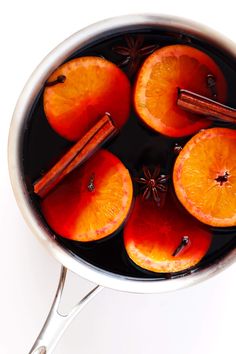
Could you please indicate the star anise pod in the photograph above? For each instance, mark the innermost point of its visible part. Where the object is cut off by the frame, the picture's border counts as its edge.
(133, 52)
(153, 184)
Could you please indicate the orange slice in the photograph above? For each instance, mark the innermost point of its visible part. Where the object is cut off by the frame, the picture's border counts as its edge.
(205, 177)
(92, 202)
(92, 87)
(152, 237)
(163, 72)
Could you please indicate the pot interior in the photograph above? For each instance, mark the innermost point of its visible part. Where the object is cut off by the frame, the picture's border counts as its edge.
(41, 148)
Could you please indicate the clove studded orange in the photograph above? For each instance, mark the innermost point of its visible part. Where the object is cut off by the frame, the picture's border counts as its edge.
(205, 177)
(92, 202)
(164, 240)
(162, 74)
(91, 87)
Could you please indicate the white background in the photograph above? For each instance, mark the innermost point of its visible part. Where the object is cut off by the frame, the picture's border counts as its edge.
(192, 321)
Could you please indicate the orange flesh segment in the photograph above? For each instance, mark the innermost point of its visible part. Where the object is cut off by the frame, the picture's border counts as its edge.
(208, 155)
(152, 235)
(163, 72)
(75, 212)
(93, 86)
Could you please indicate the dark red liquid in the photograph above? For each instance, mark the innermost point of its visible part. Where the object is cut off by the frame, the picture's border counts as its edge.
(136, 146)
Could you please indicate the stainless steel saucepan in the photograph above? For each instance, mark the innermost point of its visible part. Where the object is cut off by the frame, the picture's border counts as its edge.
(56, 323)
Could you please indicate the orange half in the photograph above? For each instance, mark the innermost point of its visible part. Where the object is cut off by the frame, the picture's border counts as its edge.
(204, 176)
(152, 235)
(92, 202)
(156, 89)
(92, 87)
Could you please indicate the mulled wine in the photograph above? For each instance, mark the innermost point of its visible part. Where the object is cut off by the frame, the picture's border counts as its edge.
(146, 153)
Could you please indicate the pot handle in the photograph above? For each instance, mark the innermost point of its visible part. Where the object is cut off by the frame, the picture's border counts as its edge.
(56, 323)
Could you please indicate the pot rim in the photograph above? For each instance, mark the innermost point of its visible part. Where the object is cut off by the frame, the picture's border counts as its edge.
(23, 106)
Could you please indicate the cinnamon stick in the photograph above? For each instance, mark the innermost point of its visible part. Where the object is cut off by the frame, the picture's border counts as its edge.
(79, 153)
(213, 110)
